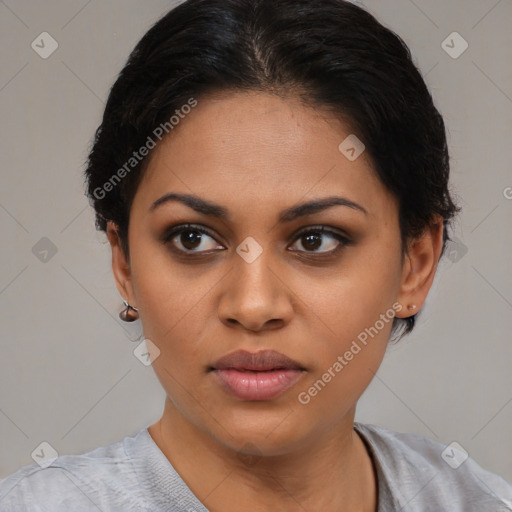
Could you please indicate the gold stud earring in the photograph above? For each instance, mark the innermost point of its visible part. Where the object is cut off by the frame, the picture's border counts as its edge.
(411, 307)
(130, 314)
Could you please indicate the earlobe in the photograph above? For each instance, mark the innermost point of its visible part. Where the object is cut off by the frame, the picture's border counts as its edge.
(120, 265)
(420, 265)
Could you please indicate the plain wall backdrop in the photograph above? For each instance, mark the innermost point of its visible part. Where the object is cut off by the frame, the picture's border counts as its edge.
(67, 368)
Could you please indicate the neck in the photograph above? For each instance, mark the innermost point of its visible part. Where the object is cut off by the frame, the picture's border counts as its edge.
(332, 471)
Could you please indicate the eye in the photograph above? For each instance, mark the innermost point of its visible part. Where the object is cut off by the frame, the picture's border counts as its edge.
(313, 239)
(191, 239)
(195, 239)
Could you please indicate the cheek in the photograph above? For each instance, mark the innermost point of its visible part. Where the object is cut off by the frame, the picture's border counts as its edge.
(355, 298)
(164, 290)
(356, 312)
(354, 331)
(170, 311)
(165, 296)
(349, 355)
(171, 308)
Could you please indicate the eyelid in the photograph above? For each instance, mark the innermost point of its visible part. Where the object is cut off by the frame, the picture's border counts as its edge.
(322, 228)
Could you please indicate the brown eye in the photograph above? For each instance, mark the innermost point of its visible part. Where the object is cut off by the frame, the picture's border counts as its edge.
(191, 239)
(316, 239)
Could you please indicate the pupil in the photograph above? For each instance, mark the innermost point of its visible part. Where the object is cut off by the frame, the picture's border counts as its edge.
(313, 239)
(193, 238)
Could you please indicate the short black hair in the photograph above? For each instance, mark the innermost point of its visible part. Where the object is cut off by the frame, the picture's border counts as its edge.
(330, 53)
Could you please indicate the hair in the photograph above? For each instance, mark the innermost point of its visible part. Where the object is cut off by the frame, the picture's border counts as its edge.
(330, 53)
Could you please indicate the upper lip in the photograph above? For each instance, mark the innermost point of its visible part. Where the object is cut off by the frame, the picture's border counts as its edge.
(263, 360)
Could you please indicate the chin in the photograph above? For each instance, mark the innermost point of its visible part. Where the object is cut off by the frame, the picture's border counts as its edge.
(267, 429)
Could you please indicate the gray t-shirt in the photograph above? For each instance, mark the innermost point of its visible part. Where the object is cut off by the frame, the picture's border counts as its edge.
(134, 475)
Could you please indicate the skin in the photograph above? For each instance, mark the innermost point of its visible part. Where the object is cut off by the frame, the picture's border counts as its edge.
(257, 154)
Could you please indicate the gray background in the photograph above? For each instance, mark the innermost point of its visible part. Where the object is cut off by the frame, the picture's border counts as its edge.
(68, 372)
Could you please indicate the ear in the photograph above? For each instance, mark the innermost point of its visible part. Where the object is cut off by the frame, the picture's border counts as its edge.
(120, 265)
(419, 269)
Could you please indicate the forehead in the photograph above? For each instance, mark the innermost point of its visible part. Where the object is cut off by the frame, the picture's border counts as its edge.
(259, 149)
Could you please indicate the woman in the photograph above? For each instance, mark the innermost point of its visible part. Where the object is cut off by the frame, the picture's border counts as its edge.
(273, 181)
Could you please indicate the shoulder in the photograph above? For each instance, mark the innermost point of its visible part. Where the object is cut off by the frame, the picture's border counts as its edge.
(103, 477)
(431, 476)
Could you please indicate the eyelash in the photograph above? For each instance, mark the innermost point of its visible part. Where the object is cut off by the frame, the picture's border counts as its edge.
(177, 230)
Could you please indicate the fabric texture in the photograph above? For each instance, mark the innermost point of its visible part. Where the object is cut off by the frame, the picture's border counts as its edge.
(134, 475)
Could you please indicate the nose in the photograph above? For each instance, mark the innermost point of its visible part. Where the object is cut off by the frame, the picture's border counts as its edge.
(256, 297)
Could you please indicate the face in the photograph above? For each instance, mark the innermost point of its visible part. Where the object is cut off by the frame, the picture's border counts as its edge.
(318, 285)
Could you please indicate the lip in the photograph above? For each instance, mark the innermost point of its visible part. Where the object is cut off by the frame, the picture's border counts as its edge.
(261, 375)
(264, 360)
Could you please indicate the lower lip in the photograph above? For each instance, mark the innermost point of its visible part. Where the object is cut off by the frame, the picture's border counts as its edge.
(251, 385)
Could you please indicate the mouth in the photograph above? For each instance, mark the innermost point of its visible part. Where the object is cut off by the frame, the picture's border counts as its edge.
(256, 376)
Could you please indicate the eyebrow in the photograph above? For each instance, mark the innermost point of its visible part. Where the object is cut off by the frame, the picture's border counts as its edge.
(214, 210)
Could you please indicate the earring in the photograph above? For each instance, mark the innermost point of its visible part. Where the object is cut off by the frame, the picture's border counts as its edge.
(129, 314)
(411, 307)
